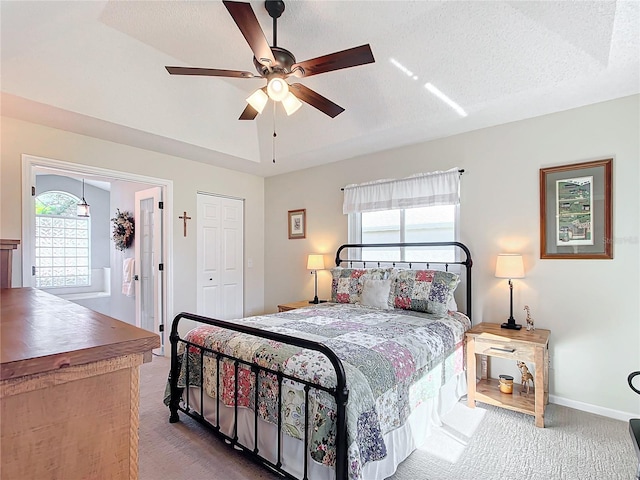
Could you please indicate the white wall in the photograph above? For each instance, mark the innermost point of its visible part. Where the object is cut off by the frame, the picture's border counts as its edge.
(19, 137)
(593, 316)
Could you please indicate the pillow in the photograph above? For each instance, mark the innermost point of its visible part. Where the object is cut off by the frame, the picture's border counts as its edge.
(347, 283)
(375, 293)
(424, 290)
(452, 306)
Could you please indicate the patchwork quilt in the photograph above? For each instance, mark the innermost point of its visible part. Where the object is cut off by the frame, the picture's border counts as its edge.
(394, 360)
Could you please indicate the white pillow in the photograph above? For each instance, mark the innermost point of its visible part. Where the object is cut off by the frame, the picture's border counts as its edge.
(375, 293)
(452, 306)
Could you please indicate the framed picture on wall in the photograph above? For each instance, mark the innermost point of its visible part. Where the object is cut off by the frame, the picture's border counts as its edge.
(297, 223)
(575, 211)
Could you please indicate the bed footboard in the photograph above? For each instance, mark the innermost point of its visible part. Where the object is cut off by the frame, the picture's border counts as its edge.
(339, 392)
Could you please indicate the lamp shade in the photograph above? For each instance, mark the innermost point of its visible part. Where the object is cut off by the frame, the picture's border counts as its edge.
(277, 89)
(315, 262)
(82, 209)
(509, 265)
(291, 103)
(258, 100)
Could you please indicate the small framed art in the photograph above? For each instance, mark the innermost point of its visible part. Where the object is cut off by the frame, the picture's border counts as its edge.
(575, 211)
(297, 223)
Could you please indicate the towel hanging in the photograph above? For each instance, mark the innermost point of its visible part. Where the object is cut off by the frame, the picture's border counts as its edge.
(128, 287)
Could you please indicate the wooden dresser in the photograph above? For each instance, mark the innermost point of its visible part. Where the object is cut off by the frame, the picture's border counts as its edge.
(69, 389)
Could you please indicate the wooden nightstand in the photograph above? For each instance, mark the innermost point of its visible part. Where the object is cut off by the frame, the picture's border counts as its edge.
(531, 347)
(285, 307)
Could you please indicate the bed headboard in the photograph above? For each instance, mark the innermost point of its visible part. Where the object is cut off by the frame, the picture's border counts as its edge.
(354, 251)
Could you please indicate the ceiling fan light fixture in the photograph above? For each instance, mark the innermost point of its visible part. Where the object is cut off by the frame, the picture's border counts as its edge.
(277, 89)
(258, 100)
(291, 104)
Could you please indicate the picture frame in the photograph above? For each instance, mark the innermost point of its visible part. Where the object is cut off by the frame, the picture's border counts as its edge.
(297, 224)
(575, 211)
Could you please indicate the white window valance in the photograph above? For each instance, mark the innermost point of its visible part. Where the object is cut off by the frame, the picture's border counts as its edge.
(421, 190)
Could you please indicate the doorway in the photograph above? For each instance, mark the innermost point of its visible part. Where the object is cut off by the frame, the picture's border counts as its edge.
(123, 187)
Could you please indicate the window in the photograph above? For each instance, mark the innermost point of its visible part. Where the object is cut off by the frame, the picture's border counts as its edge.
(421, 224)
(63, 248)
(420, 208)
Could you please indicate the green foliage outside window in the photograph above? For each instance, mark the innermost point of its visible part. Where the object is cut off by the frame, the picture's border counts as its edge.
(56, 203)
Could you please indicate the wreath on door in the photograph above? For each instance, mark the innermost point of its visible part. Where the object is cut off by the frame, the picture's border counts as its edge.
(123, 229)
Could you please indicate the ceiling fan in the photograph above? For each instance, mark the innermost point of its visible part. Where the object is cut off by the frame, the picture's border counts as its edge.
(276, 64)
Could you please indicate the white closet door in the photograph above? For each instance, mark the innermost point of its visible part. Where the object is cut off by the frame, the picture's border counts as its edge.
(220, 257)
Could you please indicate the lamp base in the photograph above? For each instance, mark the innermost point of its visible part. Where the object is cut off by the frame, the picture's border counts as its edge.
(315, 301)
(512, 325)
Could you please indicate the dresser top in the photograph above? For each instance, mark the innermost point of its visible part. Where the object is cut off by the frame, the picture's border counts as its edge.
(40, 332)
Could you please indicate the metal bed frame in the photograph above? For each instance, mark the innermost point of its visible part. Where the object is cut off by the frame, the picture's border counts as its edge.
(340, 392)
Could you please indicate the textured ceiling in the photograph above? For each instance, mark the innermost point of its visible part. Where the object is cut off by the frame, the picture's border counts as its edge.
(97, 68)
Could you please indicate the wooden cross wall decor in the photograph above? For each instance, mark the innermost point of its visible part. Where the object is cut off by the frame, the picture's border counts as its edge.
(184, 218)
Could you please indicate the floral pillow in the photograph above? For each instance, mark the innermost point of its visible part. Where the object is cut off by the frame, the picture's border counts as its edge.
(423, 290)
(347, 283)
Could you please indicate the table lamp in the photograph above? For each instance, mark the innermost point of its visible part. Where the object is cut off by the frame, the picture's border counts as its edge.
(315, 262)
(509, 265)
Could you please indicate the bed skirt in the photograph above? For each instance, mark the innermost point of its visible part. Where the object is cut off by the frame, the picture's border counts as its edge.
(400, 442)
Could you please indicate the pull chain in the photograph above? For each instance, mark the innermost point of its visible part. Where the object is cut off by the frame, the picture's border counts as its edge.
(274, 132)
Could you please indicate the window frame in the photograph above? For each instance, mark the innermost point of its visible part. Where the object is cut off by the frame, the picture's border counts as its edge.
(354, 227)
(86, 220)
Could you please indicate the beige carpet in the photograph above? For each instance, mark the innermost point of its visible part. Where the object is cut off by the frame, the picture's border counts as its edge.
(484, 443)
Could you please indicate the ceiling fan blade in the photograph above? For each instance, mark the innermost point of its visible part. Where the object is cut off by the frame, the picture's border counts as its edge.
(316, 100)
(249, 113)
(248, 24)
(335, 61)
(209, 72)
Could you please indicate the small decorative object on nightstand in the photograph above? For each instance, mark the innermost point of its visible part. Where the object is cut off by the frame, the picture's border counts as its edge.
(529, 319)
(491, 340)
(506, 383)
(526, 377)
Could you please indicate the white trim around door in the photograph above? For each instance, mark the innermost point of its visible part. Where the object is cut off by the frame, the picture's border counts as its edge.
(31, 164)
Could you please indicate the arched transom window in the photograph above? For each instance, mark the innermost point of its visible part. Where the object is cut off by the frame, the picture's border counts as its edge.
(63, 247)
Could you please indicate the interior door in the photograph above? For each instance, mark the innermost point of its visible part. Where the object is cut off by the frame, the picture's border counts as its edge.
(148, 261)
(220, 257)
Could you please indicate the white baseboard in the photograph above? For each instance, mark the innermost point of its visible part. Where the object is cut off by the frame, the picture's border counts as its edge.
(587, 407)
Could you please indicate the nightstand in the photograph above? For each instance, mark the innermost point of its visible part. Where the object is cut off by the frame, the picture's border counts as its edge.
(285, 307)
(531, 347)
